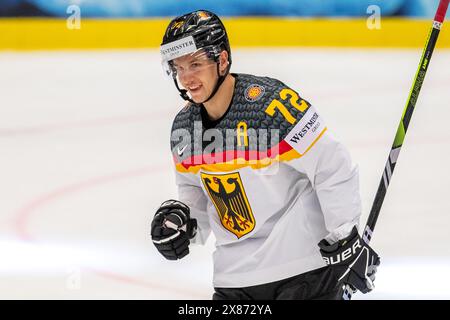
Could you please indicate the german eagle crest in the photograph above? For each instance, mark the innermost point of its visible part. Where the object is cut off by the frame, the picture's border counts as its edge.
(228, 196)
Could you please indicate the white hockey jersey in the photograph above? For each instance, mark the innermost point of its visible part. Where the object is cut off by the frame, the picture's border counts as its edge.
(268, 180)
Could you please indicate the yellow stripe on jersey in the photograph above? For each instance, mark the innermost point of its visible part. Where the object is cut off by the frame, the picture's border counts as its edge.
(287, 153)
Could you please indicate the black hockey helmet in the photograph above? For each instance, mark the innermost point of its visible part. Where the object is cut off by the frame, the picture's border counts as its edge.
(194, 31)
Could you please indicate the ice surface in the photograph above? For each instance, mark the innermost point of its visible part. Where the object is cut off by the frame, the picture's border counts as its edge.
(85, 161)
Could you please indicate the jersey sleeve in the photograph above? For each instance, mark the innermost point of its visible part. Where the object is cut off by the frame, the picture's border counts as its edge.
(328, 165)
(194, 197)
(189, 190)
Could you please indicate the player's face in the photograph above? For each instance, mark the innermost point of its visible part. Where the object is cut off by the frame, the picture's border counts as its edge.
(197, 74)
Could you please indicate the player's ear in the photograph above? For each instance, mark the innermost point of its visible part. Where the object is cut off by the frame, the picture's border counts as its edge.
(223, 62)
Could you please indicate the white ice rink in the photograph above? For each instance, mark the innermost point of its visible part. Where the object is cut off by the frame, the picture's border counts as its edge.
(85, 161)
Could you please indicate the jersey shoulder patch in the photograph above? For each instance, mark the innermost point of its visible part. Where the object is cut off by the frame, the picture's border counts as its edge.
(255, 94)
(278, 106)
(283, 109)
(304, 134)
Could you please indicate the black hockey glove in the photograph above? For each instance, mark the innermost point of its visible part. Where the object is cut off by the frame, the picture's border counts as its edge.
(353, 261)
(172, 228)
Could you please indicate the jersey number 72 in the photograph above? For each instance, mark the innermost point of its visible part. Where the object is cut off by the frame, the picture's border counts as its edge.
(293, 100)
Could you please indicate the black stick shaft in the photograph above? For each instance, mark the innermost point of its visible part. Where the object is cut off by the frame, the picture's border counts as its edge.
(404, 123)
(402, 128)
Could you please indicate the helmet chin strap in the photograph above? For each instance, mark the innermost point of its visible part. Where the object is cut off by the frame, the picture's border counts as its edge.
(183, 92)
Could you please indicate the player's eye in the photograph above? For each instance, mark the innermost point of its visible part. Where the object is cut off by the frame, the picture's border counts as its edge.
(195, 65)
(178, 68)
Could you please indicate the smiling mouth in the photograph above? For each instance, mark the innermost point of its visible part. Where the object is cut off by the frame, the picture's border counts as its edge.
(194, 89)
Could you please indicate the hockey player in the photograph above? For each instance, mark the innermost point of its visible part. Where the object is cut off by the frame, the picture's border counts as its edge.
(257, 166)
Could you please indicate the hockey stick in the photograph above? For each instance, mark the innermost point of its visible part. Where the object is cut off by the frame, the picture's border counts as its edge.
(402, 128)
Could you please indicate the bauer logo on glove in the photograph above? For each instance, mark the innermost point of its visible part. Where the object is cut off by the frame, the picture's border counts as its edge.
(353, 261)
